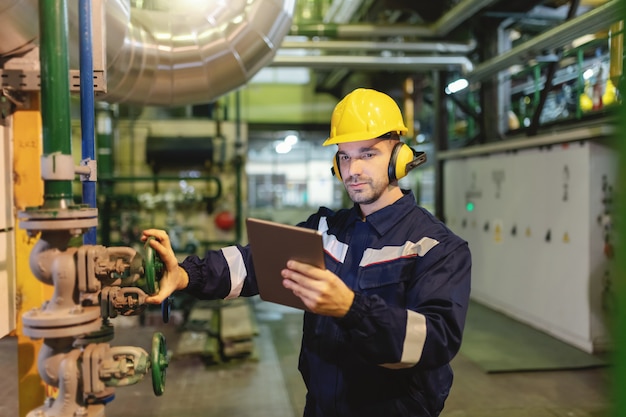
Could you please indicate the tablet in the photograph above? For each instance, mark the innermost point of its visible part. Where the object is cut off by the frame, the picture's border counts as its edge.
(272, 245)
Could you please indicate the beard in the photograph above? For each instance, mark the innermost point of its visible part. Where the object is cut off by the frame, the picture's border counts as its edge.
(368, 193)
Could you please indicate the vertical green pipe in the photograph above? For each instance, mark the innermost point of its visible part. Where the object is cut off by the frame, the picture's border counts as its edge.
(55, 94)
(239, 167)
(105, 115)
(471, 122)
(104, 139)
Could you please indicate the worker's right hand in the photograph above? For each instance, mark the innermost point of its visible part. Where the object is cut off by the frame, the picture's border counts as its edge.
(174, 278)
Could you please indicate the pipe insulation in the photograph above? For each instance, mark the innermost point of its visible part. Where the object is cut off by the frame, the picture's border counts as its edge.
(376, 63)
(190, 54)
(193, 56)
(18, 26)
(377, 46)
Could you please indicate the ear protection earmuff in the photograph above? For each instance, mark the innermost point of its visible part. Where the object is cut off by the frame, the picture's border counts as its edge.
(403, 159)
(335, 169)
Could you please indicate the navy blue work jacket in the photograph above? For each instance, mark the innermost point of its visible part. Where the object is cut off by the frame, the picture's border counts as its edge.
(389, 356)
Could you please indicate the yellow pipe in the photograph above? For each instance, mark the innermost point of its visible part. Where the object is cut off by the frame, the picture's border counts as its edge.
(30, 293)
(409, 107)
(616, 52)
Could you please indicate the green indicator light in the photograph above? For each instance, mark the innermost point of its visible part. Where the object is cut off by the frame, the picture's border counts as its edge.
(469, 206)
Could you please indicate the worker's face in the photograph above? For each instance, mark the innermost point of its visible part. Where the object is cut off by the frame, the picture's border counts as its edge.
(364, 170)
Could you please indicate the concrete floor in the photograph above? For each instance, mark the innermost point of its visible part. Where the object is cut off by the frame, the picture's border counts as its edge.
(271, 386)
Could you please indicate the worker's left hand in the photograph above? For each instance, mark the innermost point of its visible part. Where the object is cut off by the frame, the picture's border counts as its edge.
(319, 289)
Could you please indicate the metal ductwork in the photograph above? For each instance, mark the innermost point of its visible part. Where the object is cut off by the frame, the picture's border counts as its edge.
(404, 63)
(18, 32)
(331, 45)
(191, 54)
(377, 46)
(195, 55)
(381, 55)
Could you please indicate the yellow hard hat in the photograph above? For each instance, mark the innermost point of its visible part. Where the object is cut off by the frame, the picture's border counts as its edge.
(362, 115)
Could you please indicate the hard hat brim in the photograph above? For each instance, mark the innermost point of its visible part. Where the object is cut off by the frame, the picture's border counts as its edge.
(358, 137)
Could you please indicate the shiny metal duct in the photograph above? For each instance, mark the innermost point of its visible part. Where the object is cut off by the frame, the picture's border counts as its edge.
(191, 54)
(17, 29)
(362, 62)
(342, 31)
(361, 30)
(374, 46)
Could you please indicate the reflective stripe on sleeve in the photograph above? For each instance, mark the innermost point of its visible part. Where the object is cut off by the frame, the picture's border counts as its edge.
(413, 341)
(238, 271)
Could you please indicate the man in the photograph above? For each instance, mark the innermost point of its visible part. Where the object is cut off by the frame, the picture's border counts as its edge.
(387, 314)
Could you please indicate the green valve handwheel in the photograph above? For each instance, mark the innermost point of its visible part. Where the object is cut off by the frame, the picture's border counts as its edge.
(154, 270)
(153, 267)
(159, 362)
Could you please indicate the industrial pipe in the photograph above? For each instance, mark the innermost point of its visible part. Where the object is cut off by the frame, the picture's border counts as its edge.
(194, 56)
(87, 110)
(360, 30)
(17, 31)
(55, 104)
(406, 63)
(169, 58)
(373, 46)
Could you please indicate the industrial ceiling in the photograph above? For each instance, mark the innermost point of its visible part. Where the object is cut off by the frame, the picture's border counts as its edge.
(166, 53)
(386, 40)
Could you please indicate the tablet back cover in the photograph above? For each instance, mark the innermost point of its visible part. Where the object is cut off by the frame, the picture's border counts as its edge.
(272, 245)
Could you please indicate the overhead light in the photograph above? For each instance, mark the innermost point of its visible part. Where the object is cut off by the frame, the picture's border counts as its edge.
(291, 139)
(589, 73)
(282, 147)
(456, 86)
(514, 35)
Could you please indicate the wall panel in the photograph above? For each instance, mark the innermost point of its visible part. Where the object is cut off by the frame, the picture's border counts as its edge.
(531, 219)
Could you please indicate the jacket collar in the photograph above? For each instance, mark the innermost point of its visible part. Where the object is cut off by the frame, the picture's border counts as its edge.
(384, 219)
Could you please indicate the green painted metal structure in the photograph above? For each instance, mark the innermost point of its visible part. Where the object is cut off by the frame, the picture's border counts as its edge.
(55, 95)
